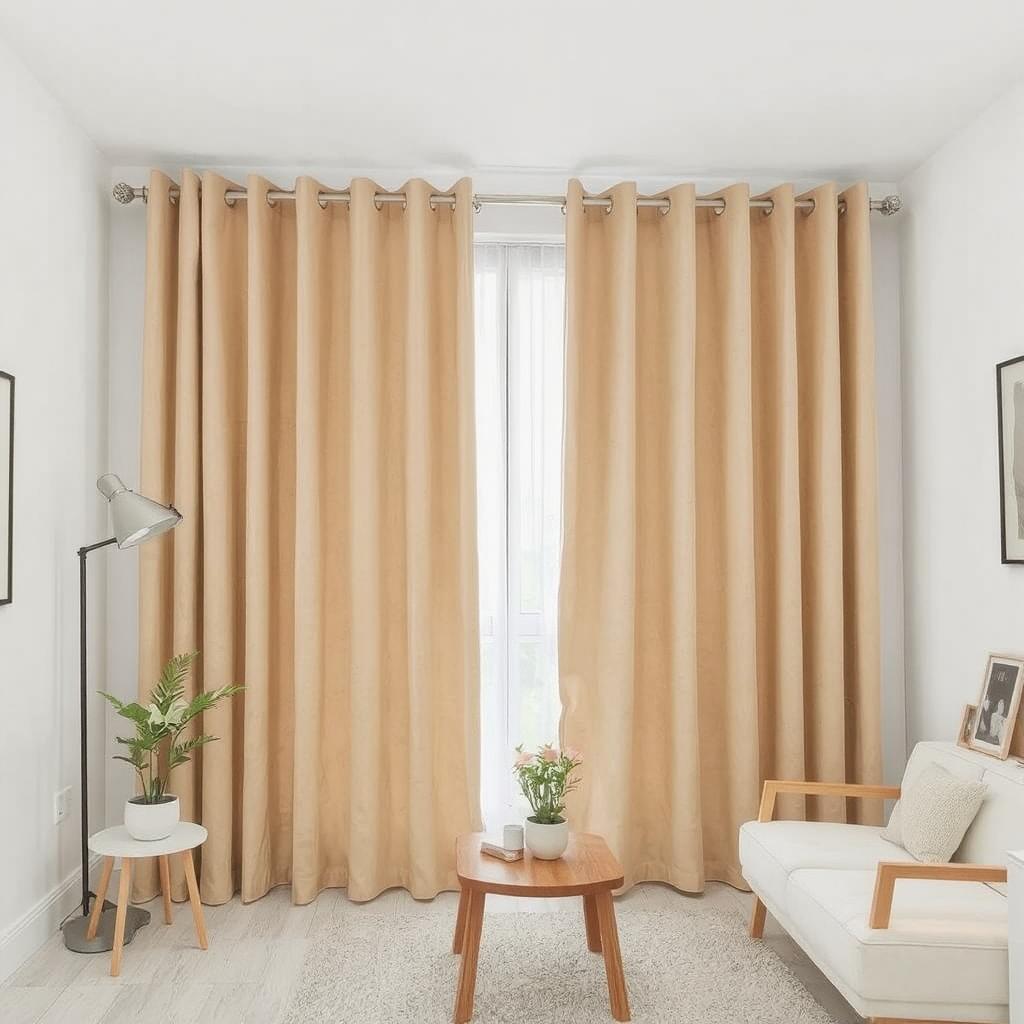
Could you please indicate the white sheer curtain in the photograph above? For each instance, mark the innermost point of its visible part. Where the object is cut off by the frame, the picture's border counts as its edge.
(520, 321)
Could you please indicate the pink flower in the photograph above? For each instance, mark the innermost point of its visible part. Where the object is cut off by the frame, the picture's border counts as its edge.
(550, 754)
(574, 755)
(523, 759)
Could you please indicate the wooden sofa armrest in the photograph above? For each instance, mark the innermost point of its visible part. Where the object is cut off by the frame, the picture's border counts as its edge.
(889, 871)
(773, 787)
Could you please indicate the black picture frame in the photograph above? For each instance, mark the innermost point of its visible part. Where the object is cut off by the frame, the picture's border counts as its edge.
(7, 579)
(1009, 557)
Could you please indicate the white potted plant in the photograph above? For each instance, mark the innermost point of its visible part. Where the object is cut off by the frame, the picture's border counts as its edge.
(157, 748)
(545, 778)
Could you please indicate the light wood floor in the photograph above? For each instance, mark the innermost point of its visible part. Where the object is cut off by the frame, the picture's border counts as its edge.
(256, 953)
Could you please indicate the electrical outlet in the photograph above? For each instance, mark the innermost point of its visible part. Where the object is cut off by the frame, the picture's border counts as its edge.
(61, 804)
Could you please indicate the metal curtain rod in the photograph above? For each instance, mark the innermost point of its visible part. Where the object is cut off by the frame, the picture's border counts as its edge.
(125, 193)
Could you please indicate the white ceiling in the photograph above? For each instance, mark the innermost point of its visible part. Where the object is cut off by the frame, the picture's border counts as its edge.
(788, 88)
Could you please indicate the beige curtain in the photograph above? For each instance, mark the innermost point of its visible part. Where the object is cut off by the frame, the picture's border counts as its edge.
(718, 619)
(308, 406)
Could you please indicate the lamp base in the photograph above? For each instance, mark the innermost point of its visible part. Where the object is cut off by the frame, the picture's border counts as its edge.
(74, 930)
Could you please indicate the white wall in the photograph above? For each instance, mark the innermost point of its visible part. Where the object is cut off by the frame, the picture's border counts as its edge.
(963, 284)
(53, 310)
(127, 260)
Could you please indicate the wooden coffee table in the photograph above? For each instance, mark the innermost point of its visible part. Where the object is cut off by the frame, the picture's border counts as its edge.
(587, 869)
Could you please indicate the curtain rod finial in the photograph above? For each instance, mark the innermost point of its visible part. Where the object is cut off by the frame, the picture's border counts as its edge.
(890, 205)
(125, 193)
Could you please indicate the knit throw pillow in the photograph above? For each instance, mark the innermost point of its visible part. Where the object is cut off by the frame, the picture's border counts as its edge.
(933, 815)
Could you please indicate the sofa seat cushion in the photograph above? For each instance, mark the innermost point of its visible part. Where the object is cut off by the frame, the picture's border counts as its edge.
(771, 850)
(946, 941)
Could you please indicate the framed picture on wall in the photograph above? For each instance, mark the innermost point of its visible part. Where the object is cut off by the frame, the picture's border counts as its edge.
(1010, 403)
(6, 486)
(997, 707)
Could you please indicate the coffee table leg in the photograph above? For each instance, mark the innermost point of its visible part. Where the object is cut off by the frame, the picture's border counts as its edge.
(193, 898)
(101, 895)
(612, 955)
(470, 952)
(165, 884)
(123, 891)
(592, 923)
(460, 921)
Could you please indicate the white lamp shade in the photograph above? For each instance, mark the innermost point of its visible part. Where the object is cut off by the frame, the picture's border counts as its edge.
(135, 517)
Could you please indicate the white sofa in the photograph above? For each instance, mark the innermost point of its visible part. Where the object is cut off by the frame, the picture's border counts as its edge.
(902, 941)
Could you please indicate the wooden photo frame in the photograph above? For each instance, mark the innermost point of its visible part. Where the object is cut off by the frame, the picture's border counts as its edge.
(1010, 406)
(963, 738)
(998, 704)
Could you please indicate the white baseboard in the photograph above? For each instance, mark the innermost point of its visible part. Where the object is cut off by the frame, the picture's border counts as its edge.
(30, 931)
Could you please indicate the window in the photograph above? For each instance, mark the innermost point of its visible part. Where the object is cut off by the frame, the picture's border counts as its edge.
(520, 298)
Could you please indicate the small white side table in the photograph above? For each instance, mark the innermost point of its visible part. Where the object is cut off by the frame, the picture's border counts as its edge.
(116, 842)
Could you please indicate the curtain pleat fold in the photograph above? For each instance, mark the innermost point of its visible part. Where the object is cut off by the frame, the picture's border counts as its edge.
(718, 619)
(308, 403)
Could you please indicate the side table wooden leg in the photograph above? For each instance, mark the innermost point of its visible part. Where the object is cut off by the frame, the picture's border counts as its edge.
(592, 923)
(193, 898)
(123, 892)
(460, 921)
(612, 955)
(470, 952)
(165, 885)
(101, 896)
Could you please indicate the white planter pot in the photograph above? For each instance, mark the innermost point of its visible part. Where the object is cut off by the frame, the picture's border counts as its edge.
(546, 842)
(149, 822)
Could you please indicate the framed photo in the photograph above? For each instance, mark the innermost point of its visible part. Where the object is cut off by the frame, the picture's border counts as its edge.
(963, 738)
(6, 487)
(998, 704)
(1010, 403)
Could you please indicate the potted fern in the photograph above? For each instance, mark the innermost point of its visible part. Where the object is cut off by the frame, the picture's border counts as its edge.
(157, 748)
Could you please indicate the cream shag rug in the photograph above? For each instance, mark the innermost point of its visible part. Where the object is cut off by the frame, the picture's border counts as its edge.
(534, 968)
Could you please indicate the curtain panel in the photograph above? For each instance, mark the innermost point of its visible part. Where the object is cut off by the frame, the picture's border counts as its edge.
(718, 618)
(308, 406)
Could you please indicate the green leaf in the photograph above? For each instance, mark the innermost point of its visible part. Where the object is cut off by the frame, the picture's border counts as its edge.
(135, 713)
(207, 699)
(179, 752)
(138, 756)
(171, 684)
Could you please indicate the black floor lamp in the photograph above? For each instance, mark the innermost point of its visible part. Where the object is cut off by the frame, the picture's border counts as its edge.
(135, 519)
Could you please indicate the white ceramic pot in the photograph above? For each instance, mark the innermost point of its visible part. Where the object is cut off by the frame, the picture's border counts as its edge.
(546, 842)
(149, 822)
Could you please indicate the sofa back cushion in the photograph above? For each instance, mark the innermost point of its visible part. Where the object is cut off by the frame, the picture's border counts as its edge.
(999, 825)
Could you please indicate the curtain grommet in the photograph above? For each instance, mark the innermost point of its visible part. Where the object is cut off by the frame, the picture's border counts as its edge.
(812, 208)
(228, 201)
(271, 202)
(565, 209)
(769, 210)
(378, 204)
(172, 199)
(322, 203)
(609, 207)
(666, 209)
(718, 210)
(478, 206)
